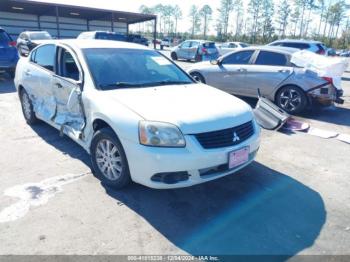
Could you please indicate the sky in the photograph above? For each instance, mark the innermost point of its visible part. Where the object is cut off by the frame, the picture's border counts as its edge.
(133, 6)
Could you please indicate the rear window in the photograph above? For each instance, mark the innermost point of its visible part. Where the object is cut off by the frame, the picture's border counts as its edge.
(296, 45)
(4, 37)
(209, 45)
(271, 58)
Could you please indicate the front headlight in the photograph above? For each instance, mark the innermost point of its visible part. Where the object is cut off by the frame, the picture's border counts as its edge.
(160, 134)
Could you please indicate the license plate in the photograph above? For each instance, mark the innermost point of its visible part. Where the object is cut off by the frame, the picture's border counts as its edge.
(238, 157)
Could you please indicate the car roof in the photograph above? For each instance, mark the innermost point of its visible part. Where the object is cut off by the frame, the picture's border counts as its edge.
(301, 41)
(96, 43)
(280, 49)
(31, 32)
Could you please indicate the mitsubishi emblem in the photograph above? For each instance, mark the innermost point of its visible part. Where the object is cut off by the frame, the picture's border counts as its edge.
(235, 137)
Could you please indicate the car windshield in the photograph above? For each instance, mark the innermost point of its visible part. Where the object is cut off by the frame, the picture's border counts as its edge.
(40, 36)
(114, 68)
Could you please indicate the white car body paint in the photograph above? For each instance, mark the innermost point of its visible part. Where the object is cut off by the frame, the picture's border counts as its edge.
(194, 108)
(34, 195)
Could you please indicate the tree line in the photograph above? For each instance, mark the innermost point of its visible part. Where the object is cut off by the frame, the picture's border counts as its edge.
(259, 22)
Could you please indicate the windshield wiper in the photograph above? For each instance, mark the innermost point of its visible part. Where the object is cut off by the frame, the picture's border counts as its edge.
(119, 85)
(169, 82)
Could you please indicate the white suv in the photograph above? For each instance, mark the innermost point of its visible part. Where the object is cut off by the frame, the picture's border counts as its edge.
(313, 46)
(139, 116)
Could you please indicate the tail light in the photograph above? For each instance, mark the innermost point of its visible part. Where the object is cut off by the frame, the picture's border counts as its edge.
(12, 43)
(328, 79)
(204, 50)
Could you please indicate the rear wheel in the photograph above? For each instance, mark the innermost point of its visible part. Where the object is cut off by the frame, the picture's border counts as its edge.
(173, 56)
(27, 108)
(291, 99)
(109, 160)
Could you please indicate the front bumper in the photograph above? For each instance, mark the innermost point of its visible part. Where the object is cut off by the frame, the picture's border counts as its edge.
(201, 164)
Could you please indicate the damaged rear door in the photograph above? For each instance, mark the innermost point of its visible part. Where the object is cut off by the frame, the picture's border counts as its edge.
(67, 84)
(268, 71)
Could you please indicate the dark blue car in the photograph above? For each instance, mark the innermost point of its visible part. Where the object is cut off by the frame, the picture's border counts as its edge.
(8, 53)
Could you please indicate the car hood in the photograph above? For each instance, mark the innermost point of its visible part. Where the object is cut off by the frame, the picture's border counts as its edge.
(194, 108)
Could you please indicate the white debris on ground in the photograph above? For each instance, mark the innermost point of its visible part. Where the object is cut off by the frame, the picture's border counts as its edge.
(33, 195)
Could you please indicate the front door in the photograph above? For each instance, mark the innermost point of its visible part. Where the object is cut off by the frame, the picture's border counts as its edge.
(67, 89)
(230, 74)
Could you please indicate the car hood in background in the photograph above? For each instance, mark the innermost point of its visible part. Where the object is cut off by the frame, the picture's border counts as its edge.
(195, 108)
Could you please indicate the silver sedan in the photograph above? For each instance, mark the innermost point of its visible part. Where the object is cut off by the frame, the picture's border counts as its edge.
(268, 69)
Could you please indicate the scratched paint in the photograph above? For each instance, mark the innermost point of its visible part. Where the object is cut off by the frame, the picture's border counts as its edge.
(34, 195)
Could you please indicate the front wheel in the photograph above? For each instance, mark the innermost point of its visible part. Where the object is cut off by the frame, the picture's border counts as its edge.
(109, 160)
(27, 108)
(198, 77)
(291, 99)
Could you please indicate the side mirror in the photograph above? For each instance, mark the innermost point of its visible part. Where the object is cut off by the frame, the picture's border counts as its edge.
(23, 52)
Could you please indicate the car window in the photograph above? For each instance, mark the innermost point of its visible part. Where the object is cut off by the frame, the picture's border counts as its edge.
(4, 37)
(271, 58)
(186, 44)
(296, 45)
(132, 68)
(194, 44)
(45, 57)
(232, 45)
(40, 36)
(243, 45)
(239, 58)
(67, 67)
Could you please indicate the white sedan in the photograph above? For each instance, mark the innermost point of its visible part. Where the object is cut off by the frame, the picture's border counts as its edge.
(139, 116)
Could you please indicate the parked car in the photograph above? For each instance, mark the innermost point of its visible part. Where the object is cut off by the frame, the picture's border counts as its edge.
(230, 46)
(143, 120)
(28, 40)
(197, 50)
(8, 53)
(313, 46)
(269, 69)
(167, 42)
(138, 39)
(103, 35)
(345, 54)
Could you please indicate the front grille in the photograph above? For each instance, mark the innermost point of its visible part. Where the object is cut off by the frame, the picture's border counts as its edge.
(225, 137)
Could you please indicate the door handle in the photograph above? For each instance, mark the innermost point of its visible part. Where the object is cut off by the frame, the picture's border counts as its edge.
(27, 73)
(58, 85)
(242, 70)
(283, 71)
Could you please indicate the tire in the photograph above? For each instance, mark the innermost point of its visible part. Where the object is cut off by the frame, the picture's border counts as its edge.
(108, 159)
(174, 56)
(198, 77)
(291, 99)
(27, 108)
(161, 47)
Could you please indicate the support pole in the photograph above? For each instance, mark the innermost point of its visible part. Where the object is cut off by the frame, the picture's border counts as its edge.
(39, 23)
(57, 23)
(155, 33)
(112, 22)
(88, 24)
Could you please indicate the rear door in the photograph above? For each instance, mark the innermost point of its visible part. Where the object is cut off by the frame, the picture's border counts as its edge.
(182, 52)
(67, 91)
(38, 76)
(267, 72)
(231, 73)
(193, 50)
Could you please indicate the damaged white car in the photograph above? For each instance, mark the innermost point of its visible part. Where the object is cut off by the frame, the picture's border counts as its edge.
(139, 116)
